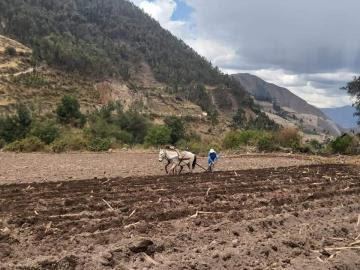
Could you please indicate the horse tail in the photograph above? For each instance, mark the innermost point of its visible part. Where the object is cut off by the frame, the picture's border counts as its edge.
(194, 162)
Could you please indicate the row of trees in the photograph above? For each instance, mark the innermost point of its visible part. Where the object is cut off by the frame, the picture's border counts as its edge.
(112, 126)
(69, 129)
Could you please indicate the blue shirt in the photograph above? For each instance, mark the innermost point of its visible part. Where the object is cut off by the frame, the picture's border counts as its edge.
(212, 157)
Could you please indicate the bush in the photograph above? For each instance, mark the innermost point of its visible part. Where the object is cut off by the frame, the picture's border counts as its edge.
(289, 137)
(101, 128)
(124, 137)
(46, 131)
(2, 143)
(69, 142)
(68, 112)
(235, 139)
(134, 123)
(99, 144)
(15, 127)
(194, 146)
(266, 144)
(316, 145)
(30, 144)
(177, 128)
(11, 51)
(343, 145)
(306, 149)
(158, 135)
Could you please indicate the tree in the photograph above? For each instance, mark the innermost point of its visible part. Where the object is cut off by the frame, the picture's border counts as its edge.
(13, 127)
(11, 51)
(177, 128)
(47, 131)
(68, 112)
(353, 89)
(158, 135)
(239, 119)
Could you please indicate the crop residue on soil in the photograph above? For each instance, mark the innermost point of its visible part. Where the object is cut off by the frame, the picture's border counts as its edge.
(287, 218)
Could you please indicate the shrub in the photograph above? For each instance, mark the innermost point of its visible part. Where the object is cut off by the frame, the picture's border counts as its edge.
(289, 137)
(306, 149)
(99, 144)
(11, 51)
(134, 123)
(68, 112)
(46, 131)
(316, 145)
(343, 145)
(100, 128)
(158, 135)
(15, 127)
(69, 142)
(177, 128)
(235, 139)
(266, 144)
(2, 143)
(239, 119)
(124, 137)
(30, 144)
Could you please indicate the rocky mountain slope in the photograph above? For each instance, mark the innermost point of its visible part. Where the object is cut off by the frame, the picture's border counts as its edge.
(286, 108)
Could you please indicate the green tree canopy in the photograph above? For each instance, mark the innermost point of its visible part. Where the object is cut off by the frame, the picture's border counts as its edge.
(177, 128)
(158, 135)
(353, 89)
(68, 112)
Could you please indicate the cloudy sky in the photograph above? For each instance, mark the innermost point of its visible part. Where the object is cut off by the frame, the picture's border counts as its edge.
(311, 47)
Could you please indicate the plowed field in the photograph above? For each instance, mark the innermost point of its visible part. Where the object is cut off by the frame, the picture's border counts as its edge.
(304, 217)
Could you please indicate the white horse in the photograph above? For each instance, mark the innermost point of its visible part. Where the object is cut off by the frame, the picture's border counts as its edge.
(172, 157)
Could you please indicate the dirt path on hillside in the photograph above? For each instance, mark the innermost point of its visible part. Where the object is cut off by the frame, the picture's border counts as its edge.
(55, 167)
(286, 218)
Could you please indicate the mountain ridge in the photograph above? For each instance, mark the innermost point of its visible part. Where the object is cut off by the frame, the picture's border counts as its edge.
(344, 116)
(282, 96)
(281, 104)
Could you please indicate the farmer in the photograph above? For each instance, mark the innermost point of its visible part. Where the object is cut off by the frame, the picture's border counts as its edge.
(212, 158)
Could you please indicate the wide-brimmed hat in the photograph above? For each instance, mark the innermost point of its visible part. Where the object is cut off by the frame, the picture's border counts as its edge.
(212, 150)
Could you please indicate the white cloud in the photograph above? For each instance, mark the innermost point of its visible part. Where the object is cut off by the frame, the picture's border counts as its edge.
(309, 47)
(162, 10)
(215, 51)
(308, 86)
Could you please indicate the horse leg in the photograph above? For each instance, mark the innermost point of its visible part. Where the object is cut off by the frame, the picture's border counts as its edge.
(189, 166)
(166, 166)
(181, 168)
(172, 168)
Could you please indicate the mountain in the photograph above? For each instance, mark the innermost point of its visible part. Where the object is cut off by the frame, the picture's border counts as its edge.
(343, 116)
(104, 50)
(262, 90)
(285, 107)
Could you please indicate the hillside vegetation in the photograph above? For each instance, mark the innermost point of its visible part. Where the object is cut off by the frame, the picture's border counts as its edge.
(113, 39)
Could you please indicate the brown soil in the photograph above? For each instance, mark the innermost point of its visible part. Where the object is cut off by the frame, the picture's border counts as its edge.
(38, 167)
(284, 218)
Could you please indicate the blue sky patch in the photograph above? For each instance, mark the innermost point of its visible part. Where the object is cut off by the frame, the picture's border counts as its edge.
(182, 11)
